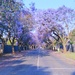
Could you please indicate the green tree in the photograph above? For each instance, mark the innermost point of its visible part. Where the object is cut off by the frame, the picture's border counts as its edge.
(72, 36)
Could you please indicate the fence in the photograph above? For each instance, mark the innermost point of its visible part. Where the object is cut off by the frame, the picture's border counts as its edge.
(8, 49)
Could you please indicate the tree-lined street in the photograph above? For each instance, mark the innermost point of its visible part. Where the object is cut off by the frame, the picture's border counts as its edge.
(37, 62)
(36, 41)
(30, 27)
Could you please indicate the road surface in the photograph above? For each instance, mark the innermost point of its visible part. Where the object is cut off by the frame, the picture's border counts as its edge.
(36, 62)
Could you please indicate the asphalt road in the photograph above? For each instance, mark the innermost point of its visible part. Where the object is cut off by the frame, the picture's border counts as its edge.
(35, 62)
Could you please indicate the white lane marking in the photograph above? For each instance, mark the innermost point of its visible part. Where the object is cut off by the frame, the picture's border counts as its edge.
(38, 62)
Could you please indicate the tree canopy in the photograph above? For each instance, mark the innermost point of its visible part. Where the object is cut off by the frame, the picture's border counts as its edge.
(17, 22)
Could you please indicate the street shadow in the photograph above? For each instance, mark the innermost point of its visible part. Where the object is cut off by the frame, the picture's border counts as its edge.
(9, 60)
(12, 62)
(7, 56)
(15, 64)
(10, 56)
(24, 70)
(73, 73)
(36, 52)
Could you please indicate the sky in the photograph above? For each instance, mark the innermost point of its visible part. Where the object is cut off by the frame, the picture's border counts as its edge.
(45, 4)
(53, 4)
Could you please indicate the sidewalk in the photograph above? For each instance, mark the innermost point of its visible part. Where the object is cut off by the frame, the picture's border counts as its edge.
(10, 56)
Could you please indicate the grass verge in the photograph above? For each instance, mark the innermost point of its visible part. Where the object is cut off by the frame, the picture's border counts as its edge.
(70, 55)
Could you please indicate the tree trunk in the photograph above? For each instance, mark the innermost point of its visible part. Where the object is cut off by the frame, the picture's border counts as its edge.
(13, 51)
(64, 48)
(3, 47)
(12, 44)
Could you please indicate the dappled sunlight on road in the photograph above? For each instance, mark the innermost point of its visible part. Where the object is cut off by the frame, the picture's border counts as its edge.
(39, 52)
(35, 62)
(22, 65)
